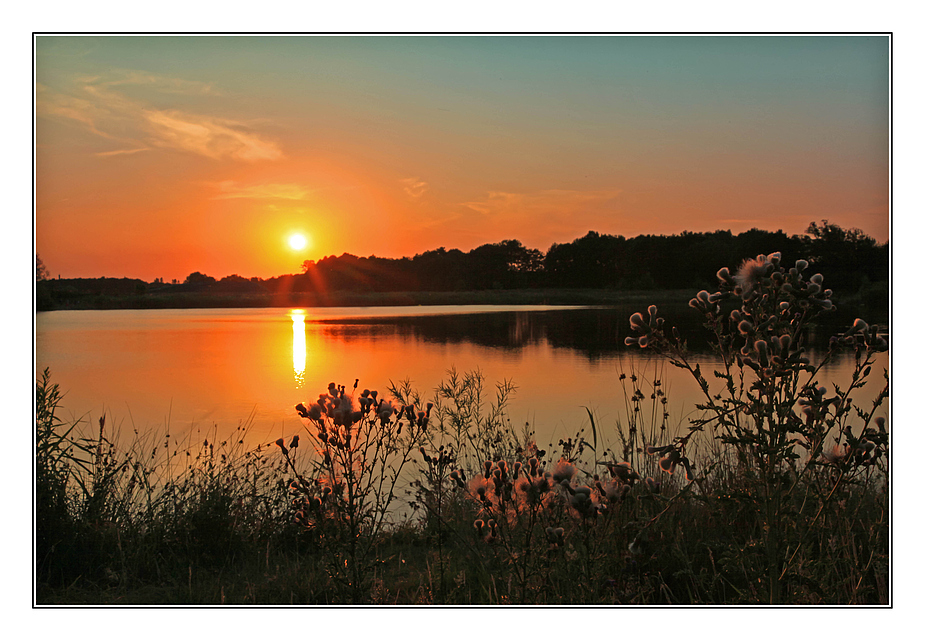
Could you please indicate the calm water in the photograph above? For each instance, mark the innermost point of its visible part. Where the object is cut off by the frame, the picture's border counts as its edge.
(205, 369)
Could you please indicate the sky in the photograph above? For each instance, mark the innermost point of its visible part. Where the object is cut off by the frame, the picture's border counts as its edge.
(158, 156)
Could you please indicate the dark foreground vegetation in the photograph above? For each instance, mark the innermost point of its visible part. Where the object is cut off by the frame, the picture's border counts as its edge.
(774, 492)
(593, 269)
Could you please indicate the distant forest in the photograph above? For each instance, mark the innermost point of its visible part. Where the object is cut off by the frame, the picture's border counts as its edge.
(850, 260)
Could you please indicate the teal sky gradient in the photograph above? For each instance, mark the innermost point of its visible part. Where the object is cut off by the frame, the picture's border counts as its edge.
(165, 146)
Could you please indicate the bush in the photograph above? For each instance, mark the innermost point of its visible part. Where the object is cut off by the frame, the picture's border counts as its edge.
(798, 446)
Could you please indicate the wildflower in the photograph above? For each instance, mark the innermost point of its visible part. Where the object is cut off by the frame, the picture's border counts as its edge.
(669, 460)
(582, 502)
(294, 443)
(837, 455)
(636, 322)
(866, 453)
(385, 412)
(614, 491)
(555, 536)
(622, 471)
(282, 446)
(564, 471)
(533, 491)
(751, 272)
(858, 326)
(478, 487)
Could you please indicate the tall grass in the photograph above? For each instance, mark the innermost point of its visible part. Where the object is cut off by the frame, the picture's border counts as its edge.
(774, 490)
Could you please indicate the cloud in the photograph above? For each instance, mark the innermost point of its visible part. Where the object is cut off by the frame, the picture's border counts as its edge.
(104, 109)
(121, 152)
(64, 107)
(414, 187)
(282, 191)
(163, 84)
(210, 137)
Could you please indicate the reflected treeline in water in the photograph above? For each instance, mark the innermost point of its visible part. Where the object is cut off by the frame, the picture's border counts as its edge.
(593, 332)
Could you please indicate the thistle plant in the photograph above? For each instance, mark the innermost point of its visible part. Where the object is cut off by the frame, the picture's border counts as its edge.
(359, 443)
(548, 525)
(767, 400)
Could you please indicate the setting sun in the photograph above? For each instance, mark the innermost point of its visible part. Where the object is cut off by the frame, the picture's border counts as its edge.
(298, 241)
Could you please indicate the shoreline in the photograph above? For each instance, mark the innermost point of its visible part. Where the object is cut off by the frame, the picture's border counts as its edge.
(206, 300)
(872, 304)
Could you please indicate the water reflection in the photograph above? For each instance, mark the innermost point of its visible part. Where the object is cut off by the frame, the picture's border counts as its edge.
(217, 367)
(299, 351)
(595, 333)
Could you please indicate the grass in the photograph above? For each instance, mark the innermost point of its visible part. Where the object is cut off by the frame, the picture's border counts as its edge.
(774, 492)
(213, 525)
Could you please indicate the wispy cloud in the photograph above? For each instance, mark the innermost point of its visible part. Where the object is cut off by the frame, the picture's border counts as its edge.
(268, 191)
(162, 84)
(414, 187)
(206, 136)
(102, 107)
(121, 152)
(63, 107)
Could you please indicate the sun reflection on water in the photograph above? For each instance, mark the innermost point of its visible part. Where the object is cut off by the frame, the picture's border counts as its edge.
(299, 353)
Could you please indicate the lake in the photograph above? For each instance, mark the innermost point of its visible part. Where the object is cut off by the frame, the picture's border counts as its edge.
(200, 370)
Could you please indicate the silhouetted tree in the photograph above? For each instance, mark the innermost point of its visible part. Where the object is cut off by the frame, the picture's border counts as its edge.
(849, 258)
(41, 272)
(198, 278)
(506, 264)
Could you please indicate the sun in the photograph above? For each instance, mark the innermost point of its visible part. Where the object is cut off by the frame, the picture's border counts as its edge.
(298, 241)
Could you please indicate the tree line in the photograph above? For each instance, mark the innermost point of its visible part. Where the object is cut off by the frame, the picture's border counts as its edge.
(849, 258)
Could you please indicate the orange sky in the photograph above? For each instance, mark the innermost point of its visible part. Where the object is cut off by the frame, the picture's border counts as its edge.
(160, 156)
